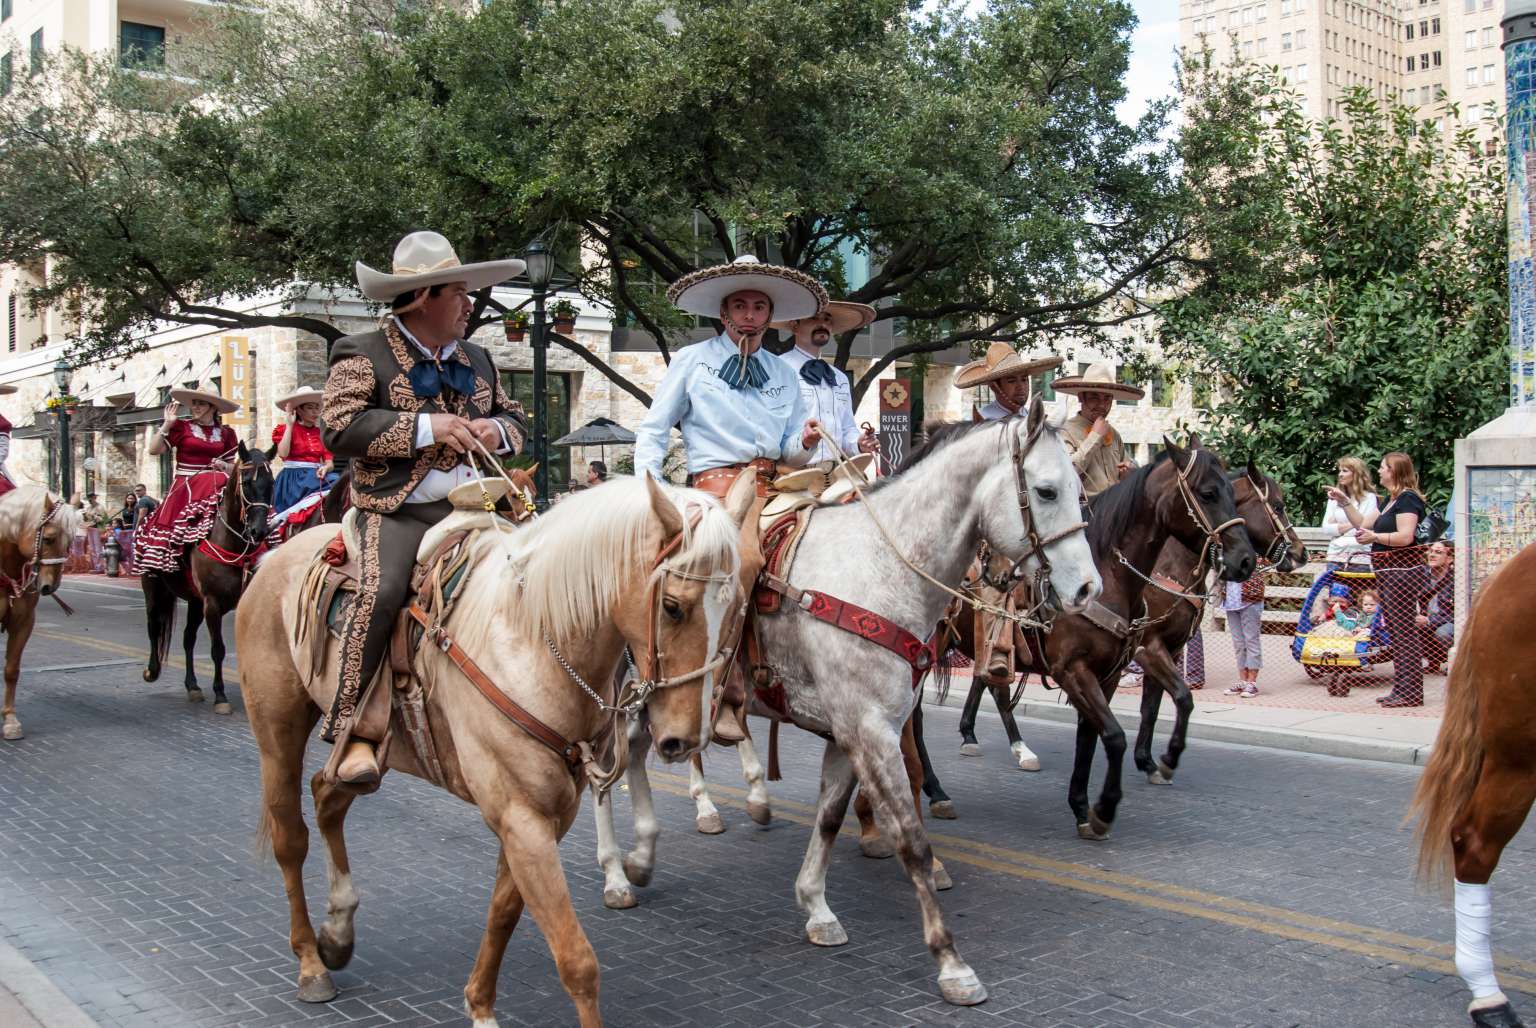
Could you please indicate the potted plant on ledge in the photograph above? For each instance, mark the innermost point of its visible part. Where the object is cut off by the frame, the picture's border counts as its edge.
(564, 314)
(515, 325)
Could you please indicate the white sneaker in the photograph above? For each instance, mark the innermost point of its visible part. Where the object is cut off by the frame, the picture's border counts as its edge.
(1250, 691)
(1236, 690)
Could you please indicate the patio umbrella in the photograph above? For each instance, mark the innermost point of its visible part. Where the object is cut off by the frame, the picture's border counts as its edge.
(599, 432)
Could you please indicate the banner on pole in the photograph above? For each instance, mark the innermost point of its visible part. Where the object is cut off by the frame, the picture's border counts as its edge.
(235, 378)
(895, 423)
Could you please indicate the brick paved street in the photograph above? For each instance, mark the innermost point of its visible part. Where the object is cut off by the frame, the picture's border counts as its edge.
(1264, 888)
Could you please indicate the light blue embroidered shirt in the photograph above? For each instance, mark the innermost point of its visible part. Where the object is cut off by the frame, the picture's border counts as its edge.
(832, 405)
(722, 425)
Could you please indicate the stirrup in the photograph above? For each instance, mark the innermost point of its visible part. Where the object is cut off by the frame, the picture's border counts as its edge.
(359, 765)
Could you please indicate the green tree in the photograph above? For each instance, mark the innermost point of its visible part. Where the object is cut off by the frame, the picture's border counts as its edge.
(973, 157)
(1353, 292)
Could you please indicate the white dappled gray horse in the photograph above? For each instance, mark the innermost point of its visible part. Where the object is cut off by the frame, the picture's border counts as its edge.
(859, 693)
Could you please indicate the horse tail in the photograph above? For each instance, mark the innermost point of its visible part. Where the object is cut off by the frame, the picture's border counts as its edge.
(164, 602)
(1455, 764)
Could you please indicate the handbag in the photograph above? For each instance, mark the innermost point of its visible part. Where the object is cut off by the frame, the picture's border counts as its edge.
(1430, 528)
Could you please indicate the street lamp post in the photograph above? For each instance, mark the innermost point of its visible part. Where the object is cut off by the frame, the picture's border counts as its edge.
(540, 270)
(66, 464)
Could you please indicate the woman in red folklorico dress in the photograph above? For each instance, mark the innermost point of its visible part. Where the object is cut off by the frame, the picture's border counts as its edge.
(203, 449)
(6, 482)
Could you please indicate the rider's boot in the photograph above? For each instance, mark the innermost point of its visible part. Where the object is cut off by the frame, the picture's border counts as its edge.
(359, 764)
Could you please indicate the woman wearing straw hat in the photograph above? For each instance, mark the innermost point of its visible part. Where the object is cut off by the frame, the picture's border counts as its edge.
(306, 462)
(1007, 374)
(409, 403)
(202, 446)
(828, 396)
(6, 482)
(737, 407)
(1098, 452)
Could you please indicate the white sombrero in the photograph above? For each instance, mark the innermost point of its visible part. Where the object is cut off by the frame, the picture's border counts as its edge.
(299, 397)
(1001, 361)
(794, 293)
(838, 316)
(1099, 378)
(220, 404)
(427, 259)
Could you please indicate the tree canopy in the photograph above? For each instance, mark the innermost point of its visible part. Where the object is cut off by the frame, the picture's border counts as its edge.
(1354, 291)
(973, 158)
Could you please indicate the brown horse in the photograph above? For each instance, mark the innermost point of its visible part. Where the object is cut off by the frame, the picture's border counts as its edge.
(1480, 780)
(1261, 504)
(212, 576)
(542, 611)
(35, 532)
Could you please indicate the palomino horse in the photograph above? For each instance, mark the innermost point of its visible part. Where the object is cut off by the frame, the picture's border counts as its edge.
(1260, 503)
(1478, 786)
(550, 607)
(35, 533)
(1007, 482)
(214, 575)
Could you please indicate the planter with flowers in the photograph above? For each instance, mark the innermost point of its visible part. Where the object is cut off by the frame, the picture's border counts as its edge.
(516, 326)
(564, 314)
(68, 404)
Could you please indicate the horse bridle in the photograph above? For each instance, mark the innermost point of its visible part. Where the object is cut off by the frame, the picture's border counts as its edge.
(249, 545)
(31, 571)
(1276, 550)
(1197, 513)
(1018, 452)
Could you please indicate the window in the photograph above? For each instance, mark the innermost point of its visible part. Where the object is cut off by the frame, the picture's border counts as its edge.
(1122, 375)
(1163, 384)
(1471, 6)
(1301, 39)
(1423, 28)
(1487, 5)
(1301, 5)
(1285, 41)
(1301, 73)
(1261, 12)
(1423, 94)
(1423, 62)
(1472, 76)
(5, 9)
(1470, 39)
(1285, 8)
(1285, 76)
(37, 52)
(1488, 78)
(1437, 58)
(1248, 48)
(141, 46)
(1200, 391)
(1263, 45)
(1490, 36)
(1234, 19)
(1247, 15)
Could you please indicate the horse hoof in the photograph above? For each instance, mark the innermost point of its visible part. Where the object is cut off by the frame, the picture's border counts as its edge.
(759, 812)
(1098, 823)
(150, 674)
(1085, 830)
(1158, 778)
(710, 824)
(963, 991)
(1501, 1016)
(944, 810)
(222, 707)
(941, 880)
(316, 988)
(876, 847)
(970, 749)
(826, 933)
(637, 873)
(12, 729)
(194, 695)
(1027, 760)
(334, 954)
(620, 899)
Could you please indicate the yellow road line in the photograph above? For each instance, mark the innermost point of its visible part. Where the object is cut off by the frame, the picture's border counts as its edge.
(1403, 949)
(202, 666)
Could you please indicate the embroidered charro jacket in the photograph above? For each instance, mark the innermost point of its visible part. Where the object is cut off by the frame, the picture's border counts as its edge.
(369, 412)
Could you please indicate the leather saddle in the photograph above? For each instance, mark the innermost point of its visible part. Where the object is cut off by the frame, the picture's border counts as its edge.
(784, 517)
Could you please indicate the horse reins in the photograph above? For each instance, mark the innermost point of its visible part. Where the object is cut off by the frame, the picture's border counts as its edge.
(250, 549)
(1283, 528)
(30, 571)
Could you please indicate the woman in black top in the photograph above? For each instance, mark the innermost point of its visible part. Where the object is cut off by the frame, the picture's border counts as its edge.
(1400, 573)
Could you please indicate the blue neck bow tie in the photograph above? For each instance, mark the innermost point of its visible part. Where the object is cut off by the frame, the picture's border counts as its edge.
(818, 372)
(429, 377)
(738, 375)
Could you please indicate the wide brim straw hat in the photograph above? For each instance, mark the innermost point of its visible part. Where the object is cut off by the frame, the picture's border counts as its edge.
(838, 316)
(299, 397)
(1002, 361)
(794, 294)
(425, 259)
(1099, 378)
(219, 403)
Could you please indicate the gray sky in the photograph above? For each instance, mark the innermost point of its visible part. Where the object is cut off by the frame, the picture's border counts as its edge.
(1152, 57)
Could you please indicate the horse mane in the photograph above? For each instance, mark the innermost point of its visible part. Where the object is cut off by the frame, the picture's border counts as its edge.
(1113, 511)
(566, 569)
(22, 508)
(940, 436)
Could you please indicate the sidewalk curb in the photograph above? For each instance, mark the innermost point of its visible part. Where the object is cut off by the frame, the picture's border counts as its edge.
(1322, 744)
(36, 992)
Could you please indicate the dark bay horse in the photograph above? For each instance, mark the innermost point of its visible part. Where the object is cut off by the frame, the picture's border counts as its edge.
(1185, 495)
(1478, 786)
(35, 532)
(213, 575)
(1261, 504)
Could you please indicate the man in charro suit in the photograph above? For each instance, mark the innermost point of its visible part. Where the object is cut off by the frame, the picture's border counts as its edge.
(406, 402)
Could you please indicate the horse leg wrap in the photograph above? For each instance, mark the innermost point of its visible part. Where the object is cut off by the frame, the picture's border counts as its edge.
(1474, 949)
